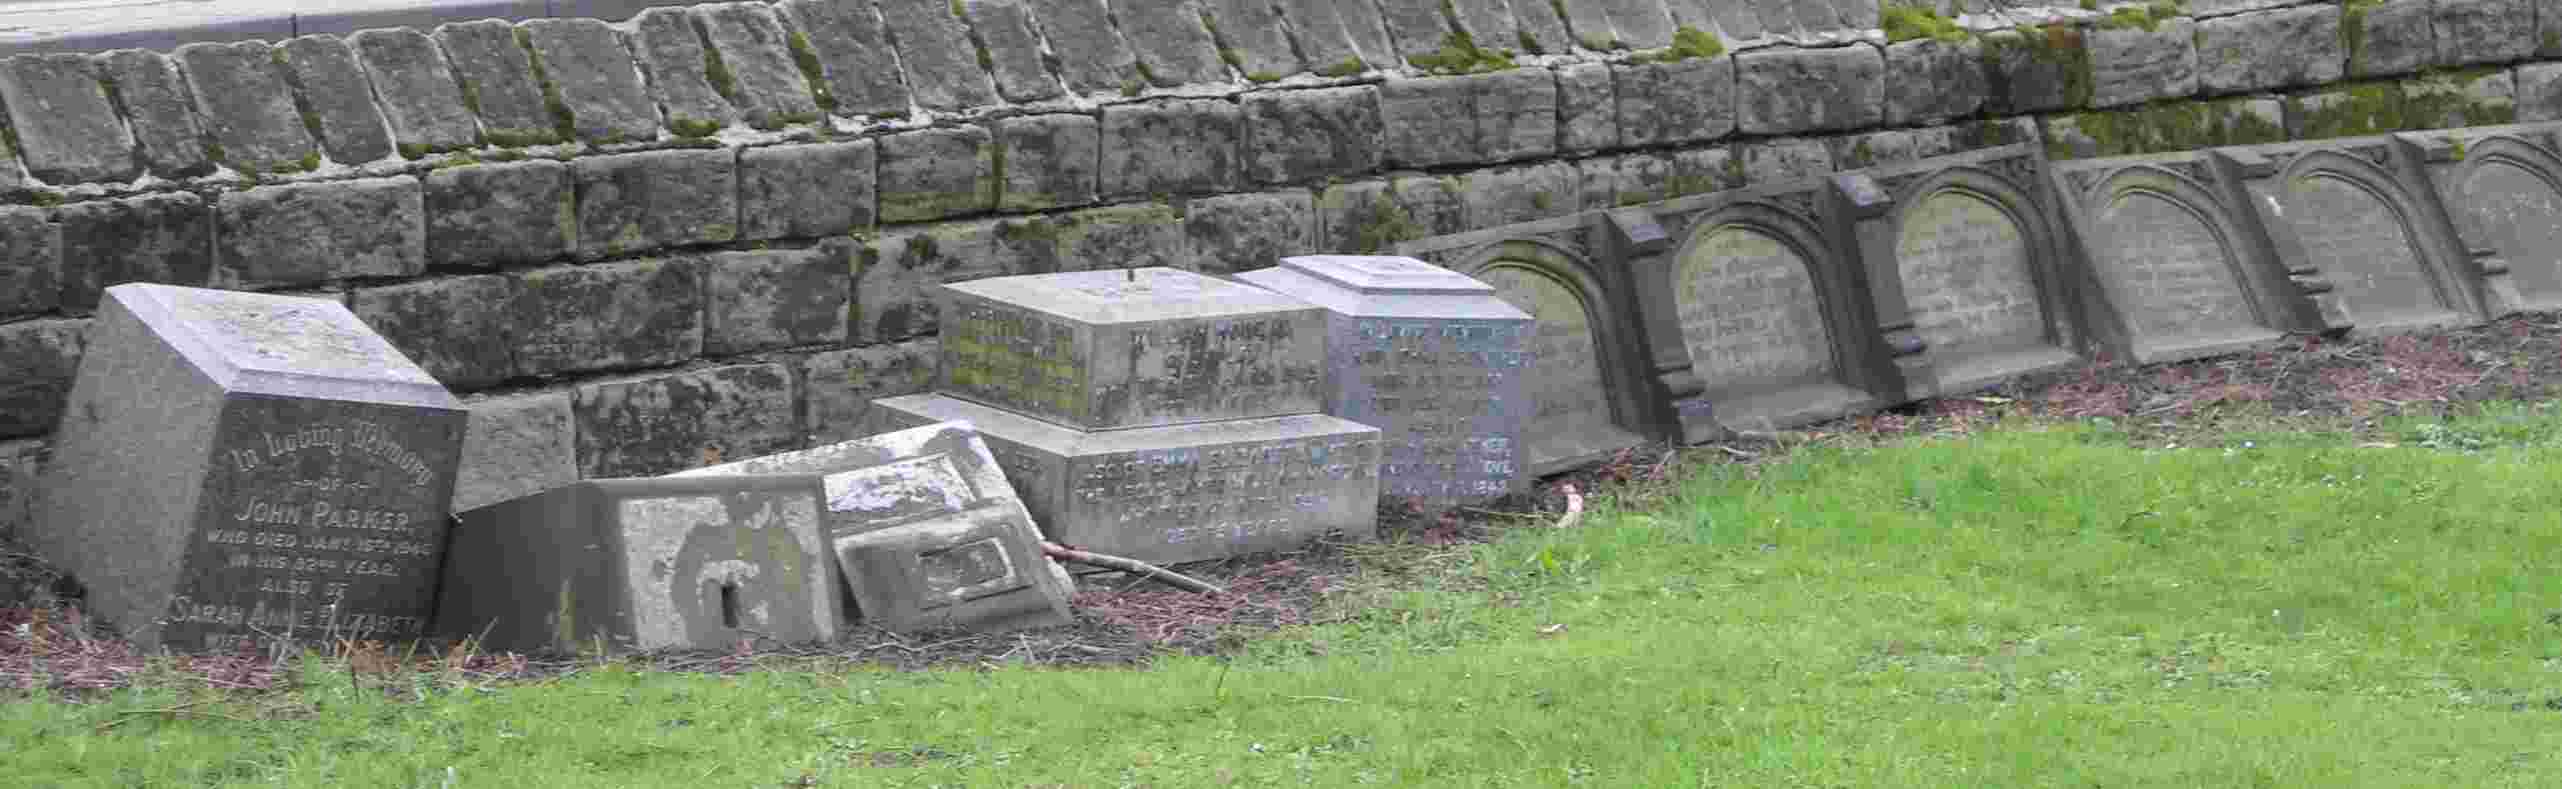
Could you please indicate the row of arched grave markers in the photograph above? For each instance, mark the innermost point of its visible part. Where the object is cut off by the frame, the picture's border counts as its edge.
(1792, 303)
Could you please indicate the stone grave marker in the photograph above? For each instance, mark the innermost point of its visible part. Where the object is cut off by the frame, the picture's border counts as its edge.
(643, 564)
(2174, 272)
(1433, 359)
(1177, 493)
(2340, 208)
(246, 466)
(2502, 189)
(927, 532)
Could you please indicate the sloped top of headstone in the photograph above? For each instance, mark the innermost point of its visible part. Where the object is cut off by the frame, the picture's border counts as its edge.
(287, 346)
(1384, 274)
(1125, 295)
(1370, 286)
(945, 488)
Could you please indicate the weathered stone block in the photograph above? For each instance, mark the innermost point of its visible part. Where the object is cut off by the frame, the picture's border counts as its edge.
(643, 564)
(337, 98)
(1318, 34)
(1781, 161)
(1369, 217)
(590, 71)
(2454, 98)
(241, 95)
(1369, 31)
(673, 59)
(1244, 232)
(1136, 235)
(165, 238)
(853, 52)
(497, 79)
(2483, 31)
(1298, 136)
(1050, 161)
(1173, 48)
(1516, 114)
(943, 72)
(1177, 146)
(1931, 81)
(158, 111)
(1590, 24)
(757, 73)
(2132, 65)
(496, 214)
(21, 465)
(1171, 494)
(640, 201)
(1520, 194)
(1417, 27)
(1646, 178)
(614, 315)
(242, 467)
(308, 233)
(1092, 57)
(30, 261)
(666, 422)
(801, 191)
(1003, 29)
(419, 96)
(895, 279)
(1250, 38)
(2037, 69)
(2352, 111)
(516, 446)
(840, 385)
(1587, 109)
(1540, 31)
(65, 128)
(1797, 90)
(1429, 121)
(756, 301)
(2387, 38)
(2270, 49)
(935, 173)
(41, 356)
(2539, 92)
(458, 329)
(1683, 101)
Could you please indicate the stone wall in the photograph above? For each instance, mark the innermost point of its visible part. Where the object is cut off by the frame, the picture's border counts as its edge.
(708, 232)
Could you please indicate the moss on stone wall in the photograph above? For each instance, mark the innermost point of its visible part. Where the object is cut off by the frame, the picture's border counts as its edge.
(1459, 54)
(2353, 29)
(1687, 43)
(1912, 22)
(2162, 127)
(1384, 226)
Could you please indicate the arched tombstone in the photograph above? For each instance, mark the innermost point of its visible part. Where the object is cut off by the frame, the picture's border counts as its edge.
(2344, 208)
(2167, 269)
(2501, 189)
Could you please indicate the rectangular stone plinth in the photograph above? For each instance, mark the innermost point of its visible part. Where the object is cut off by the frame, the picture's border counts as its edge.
(927, 531)
(1437, 361)
(243, 466)
(1102, 350)
(1180, 493)
(643, 564)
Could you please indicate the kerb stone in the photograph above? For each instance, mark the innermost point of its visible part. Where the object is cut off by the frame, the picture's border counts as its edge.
(161, 115)
(247, 109)
(65, 127)
(587, 66)
(419, 96)
(308, 233)
(327, 81)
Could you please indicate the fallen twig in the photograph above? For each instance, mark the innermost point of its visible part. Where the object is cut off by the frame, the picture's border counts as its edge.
(1168, 577)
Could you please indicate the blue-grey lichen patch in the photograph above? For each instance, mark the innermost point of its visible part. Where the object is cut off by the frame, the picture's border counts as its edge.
(241, 95)
(30, 261)
(332, 89)
(310, 233)
(636, 202)
(163, 238)
(458, 329)
(419, 96)
(936, 54)
(590, 71)
(496, 214)
(154, 100)
(64, 125)
(766, 86)
(666, 422)
(607, 316)
(679, 73)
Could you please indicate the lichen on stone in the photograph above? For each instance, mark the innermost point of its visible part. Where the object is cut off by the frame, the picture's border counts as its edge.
(1687, 43)
(1349, 67)
(1386, 224)
(1911, 22)
(1459, 54)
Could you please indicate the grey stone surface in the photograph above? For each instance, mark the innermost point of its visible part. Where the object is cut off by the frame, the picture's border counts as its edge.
(2365, 241)
(1250, 38)
(1488, 23)
(497, 79)
(2398, 38)
(21, 465)
(1171, 45)
(927, 532)
(1051, 161)
(639, 201)
(458, 329)
(894, 284)
(1147, 347)
(333, 90)
(1300, 136)
(1417, 27)
(245, 106)
(2037, 69)
(592, 75)
(2539, 92)
(2343, 111)
(1366, 217)
(755, 301)
(1132, 235)
(64, 125)
(515, 446)
(937, 173)
(673, 63)
(1432, 359)
(1644, 24)
(644, 564)
(30, 261)
(1004, 27)
(1243, 232)
(1175, 494)
(763, 82)
(839, 386)
(1516, 114)
(2453, 98)
(1540, 30)
(937, 55)
(2131, 65)
(419, 97)
(1428, 122)
(605, 316)
(1498, 197)
(303, 234)
(158, 112)
(1784, 91)
(1316, 32)
(1783, 160)
(1092, 57)
(1649, 177)
(802, 191)
(2548, 28)
(274, 469)
(2270, 49)
(853, 51)
(1178, 146)
(491, 215)
(42, 357)
(1684, 101)
(1932, 81)
(1369, 31)
(2483, 31)
(1589, 23)
(163, 238)
(667, 422)
(1587, 108)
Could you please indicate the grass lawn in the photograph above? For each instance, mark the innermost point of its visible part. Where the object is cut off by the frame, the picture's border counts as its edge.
(2033, 605)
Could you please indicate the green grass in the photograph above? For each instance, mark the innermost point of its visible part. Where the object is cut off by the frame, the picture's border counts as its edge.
(2033, 606)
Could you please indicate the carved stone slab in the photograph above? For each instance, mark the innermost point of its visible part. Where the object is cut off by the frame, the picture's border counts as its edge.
(2501, 188)
(238, 464)
(2357, 214)
(927, 531)
(1178, 493)
(1433, 359)
(643, 564)
(1098, 350)
(2170, 268)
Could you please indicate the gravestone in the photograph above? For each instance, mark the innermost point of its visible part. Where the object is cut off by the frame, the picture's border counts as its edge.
(2340, 208)
(1177, 493)
(643, 564)
(1100, 350)
(2180, 275)
(246, 466)
(2502, 188)
(1433, 359)
(1754, 322)
(926, 531)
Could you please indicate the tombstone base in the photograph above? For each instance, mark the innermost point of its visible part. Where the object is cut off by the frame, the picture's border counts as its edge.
(1963, 373)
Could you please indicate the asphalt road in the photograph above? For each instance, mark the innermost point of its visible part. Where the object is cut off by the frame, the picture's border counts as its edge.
(161, 25)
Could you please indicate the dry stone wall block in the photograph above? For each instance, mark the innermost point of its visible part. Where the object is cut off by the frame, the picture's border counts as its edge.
(1587, 109)
(489, 215)
(1244, 232)
(1786, 91)
(589, 71)
(852, 50)
(1539, 30)
(666, 422)
(1429, 121)
(30, 261)
(1781, 161)
(2270, 49)
(158, 111)
(1679, 102)
(1092, 57)
(774, 299)
(936, 173)
(2539, 92)
(641, 313)
(42, 356)
(1301, 136)
(2037, 69)
(303, 234)
(756, 68)
(1645, 24)
(635, 202)
(161, 238)
(1495, 198)
(2132, 65)
(1933, 81)
(458, 329)
(1051, 161)
(1516, 114)
(840, 385)
(337, 99)
(1136, 235)
(2483, 31)
(247, 109)
(1417, 27)
(420, 98)
(805, 191)
(516, 446)
(21, 465)
(62, 121)
(497, 79)
(2388, 38)
(896, 274)
(940, 60)
(1172, 46)
(675, 65)
(1316, 32)
(1004, 29)
(1176, 146)
(1250, 38)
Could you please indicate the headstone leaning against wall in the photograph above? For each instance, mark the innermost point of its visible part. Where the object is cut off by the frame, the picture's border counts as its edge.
(245, 466)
